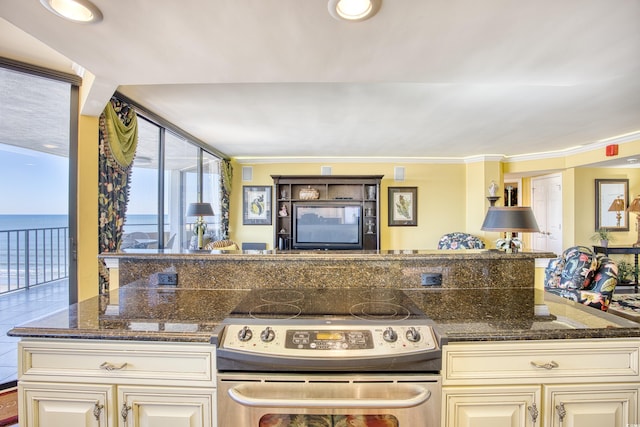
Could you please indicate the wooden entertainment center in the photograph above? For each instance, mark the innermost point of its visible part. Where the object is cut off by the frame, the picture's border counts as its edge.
(356, 193)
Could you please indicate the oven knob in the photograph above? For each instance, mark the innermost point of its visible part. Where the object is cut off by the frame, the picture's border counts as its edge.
(413, 335)
(389, 335)
(267, 335)
(245, 334)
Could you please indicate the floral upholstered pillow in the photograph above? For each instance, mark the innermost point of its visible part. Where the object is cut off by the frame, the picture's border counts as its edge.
(580, 264)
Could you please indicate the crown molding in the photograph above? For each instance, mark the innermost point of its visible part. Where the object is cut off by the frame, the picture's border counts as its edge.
(343, 159)
(620, 139)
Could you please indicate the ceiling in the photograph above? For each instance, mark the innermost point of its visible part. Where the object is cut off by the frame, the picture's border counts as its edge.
(423, 79)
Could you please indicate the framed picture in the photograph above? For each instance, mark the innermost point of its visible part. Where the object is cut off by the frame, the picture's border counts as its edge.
(403, 206)
(256, 205)
(612, 198)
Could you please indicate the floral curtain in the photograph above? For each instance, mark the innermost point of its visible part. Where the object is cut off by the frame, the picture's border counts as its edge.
(226, 174)
(118, 139)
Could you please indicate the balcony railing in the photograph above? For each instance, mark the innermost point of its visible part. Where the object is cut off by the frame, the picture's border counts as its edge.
(30, 257)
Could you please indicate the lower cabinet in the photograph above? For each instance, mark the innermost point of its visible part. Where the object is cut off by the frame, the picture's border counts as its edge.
(64, 383)
(58, 405)
(165, 407)
(63, 405)
(592, 405)
(563, 383)
(491, 406)
(578, 405)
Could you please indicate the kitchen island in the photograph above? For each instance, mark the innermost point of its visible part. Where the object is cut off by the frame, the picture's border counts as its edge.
(144, 350)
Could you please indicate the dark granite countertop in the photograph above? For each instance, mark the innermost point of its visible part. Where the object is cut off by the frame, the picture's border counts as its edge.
(192, 315)
(321, 254)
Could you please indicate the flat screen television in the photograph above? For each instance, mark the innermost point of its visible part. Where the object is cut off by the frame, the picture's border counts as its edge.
(327, 226)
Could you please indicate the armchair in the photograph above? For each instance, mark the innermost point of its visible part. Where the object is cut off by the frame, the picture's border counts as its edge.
(458, 240)
(582, 276)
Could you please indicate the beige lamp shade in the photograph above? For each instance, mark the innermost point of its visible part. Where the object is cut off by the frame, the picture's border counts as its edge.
(635, 208)
(617, 205)
(635, 205)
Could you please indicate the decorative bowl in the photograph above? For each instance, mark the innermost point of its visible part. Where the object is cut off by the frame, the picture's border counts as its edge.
(309, 194)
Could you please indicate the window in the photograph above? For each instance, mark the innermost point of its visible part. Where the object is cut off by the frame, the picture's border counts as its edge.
(156, 213)
(180, 179)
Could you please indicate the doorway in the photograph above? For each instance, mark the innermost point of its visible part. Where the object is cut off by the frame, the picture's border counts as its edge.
(546, 199)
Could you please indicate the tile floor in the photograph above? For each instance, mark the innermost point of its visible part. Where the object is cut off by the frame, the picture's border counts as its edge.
(20, 307)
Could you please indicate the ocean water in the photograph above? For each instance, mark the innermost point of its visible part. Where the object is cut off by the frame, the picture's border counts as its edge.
(34, 248)
(21, 222)
(146, 223)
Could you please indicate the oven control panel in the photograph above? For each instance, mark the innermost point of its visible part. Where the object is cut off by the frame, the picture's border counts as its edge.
(319, 339)
(327, 340)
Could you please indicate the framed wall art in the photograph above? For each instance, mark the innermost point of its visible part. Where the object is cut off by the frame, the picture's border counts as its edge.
(256, 205)
(612, 198)
(403, 206)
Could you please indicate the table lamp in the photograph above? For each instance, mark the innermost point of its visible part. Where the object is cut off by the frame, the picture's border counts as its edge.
(200, 210)
(635, 208)
(617, 206)
(511, 219)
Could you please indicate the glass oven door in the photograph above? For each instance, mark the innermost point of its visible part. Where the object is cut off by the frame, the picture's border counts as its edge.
(317, 400)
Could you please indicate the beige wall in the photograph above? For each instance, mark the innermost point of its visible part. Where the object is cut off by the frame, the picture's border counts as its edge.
(442, 202)
(87, 207)
(451, 197)
(585, 201)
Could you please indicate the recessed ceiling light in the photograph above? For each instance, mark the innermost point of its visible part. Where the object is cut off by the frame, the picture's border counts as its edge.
(82, 11)
(353, 10)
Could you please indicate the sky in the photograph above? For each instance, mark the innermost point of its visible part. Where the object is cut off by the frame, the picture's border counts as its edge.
(32, 182)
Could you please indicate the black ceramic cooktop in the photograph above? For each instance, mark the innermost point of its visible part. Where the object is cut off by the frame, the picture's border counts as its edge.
(364, 304)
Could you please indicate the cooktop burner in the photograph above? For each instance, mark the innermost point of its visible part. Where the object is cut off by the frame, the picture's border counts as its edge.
(383, 305)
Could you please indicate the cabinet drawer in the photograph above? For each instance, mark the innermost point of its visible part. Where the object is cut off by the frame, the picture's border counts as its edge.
(557, 361)
(83, 361)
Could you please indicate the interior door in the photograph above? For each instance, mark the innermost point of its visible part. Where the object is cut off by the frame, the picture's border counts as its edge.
(547, 208)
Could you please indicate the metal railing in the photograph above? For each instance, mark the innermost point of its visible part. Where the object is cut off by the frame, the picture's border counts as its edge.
(33, 256)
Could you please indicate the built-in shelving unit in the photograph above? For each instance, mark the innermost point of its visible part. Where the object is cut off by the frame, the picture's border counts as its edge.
(332, 190)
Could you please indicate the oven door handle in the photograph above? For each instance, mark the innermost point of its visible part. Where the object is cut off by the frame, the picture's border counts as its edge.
(312, 402)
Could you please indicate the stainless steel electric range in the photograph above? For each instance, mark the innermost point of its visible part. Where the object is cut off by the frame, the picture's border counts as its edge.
(288, 356)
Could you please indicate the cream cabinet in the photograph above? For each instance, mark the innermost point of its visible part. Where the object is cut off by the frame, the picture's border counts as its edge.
(541, 383)
(98, 383)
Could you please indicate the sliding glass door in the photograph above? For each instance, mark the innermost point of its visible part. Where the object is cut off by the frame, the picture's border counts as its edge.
(38, 118)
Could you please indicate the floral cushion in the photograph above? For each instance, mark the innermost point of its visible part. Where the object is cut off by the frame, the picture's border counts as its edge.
(578, 274)
(603, 284)
(579, 266)
(459, 240)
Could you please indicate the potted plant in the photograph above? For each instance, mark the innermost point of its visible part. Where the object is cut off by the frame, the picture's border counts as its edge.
(509, 245)
(626, 271)
(603, 235)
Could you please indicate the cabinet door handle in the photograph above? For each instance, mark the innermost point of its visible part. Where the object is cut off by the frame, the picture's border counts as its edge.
(549, 365)
(97, 409)
(124, 412)
(111, 367)
(533, 411)
(561, 412)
